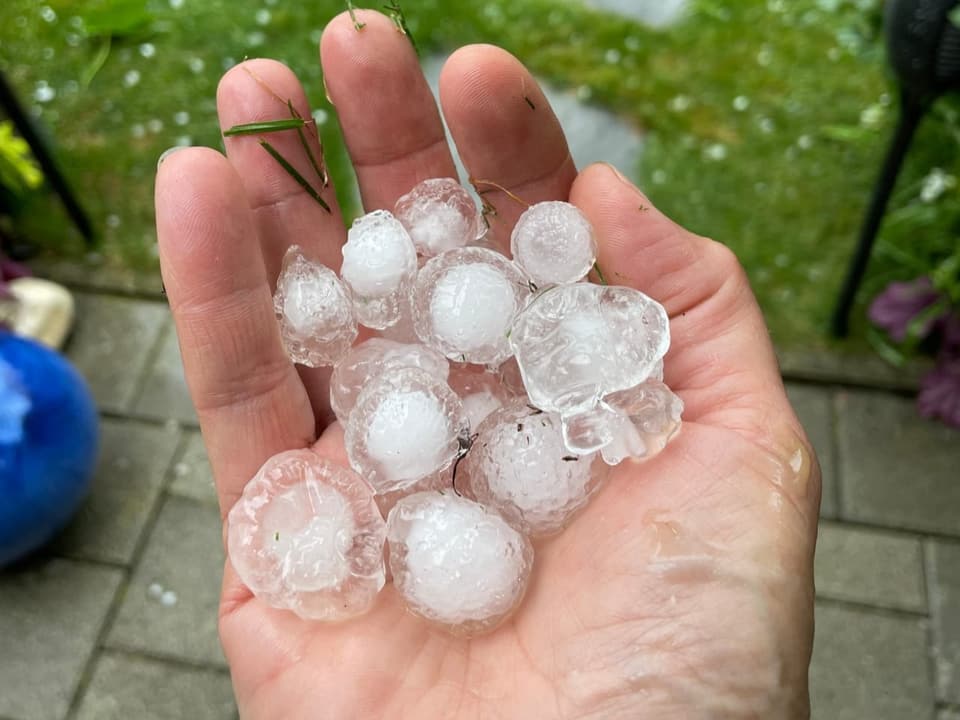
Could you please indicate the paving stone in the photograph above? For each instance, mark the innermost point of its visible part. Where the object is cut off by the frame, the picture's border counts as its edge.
(814, 407)
(51, 612)
(170, 607)
(870, 567)
(111, 345)
(594, 134)
(134, 459)
(125, 687)
(943, 577)
(165, 393)
(896, 468)
(656, 13)
(868, 665)
(192, 477)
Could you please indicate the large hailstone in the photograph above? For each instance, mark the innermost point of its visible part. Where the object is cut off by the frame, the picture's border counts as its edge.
(518, 465)
(635, 423)
(577, 343)
(314, 310)
(306, 536)
(379, 265)
(554, 243)
(373, 358)
(465, 302)
(405, 426)
(455, 562)
(440, 215)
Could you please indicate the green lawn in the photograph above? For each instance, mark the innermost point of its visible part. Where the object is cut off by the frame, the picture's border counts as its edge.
(765, 120)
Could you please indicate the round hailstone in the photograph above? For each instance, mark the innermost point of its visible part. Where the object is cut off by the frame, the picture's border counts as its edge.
(456, 563)
(405, 426)
(314, 311)
(306, 536)
(481, 392)
(554, 243)
(440, 215)
(379, 264)
(465, 301)
(518, 466)
(372, 358)
(576, 343)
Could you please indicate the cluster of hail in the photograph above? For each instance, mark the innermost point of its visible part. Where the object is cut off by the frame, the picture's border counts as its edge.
(535, 379)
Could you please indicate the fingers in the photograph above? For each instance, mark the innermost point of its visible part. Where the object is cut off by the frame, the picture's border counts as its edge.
(505, 132)
(255, 91)
(285, 214)
(390, 120)
(250, 402)
(721, 359)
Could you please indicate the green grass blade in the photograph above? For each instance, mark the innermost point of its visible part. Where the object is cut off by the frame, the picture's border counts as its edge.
(292, 171)
(358, 26)
(268, 126)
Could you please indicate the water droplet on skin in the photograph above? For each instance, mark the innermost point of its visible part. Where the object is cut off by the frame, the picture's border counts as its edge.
(148, 50)
(181, 118)
(131, 78)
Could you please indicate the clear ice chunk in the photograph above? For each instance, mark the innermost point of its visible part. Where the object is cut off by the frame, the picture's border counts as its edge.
(405, 426)
(455, 562)
(465, 302)
(440, 215)
(636, 423)
(518, 465)
(577, 343)
(372, 358)
(314, 311)
(306, 536)
(379, 265)
(554, 243)
(481, 392)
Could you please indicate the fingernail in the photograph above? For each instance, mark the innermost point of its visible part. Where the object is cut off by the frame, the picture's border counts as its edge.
(167, 153)
(620, 175)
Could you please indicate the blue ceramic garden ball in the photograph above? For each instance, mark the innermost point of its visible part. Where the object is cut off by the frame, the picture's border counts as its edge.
(48, 444)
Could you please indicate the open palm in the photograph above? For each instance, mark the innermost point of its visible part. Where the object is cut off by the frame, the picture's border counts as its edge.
(683, 591)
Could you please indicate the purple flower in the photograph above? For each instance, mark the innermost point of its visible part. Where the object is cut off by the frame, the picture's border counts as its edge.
(10, 270)
(940, 390)
(895, 308)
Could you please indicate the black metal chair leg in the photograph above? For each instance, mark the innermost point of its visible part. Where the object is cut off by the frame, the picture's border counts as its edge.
(51, 171)
(911, 113)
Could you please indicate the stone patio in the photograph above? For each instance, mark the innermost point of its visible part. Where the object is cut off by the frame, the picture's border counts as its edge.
(118, 618)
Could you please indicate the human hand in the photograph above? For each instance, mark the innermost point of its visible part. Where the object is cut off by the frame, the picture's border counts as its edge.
(683, 590)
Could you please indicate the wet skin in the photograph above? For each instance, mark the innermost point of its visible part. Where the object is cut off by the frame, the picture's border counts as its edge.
(684, 590)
